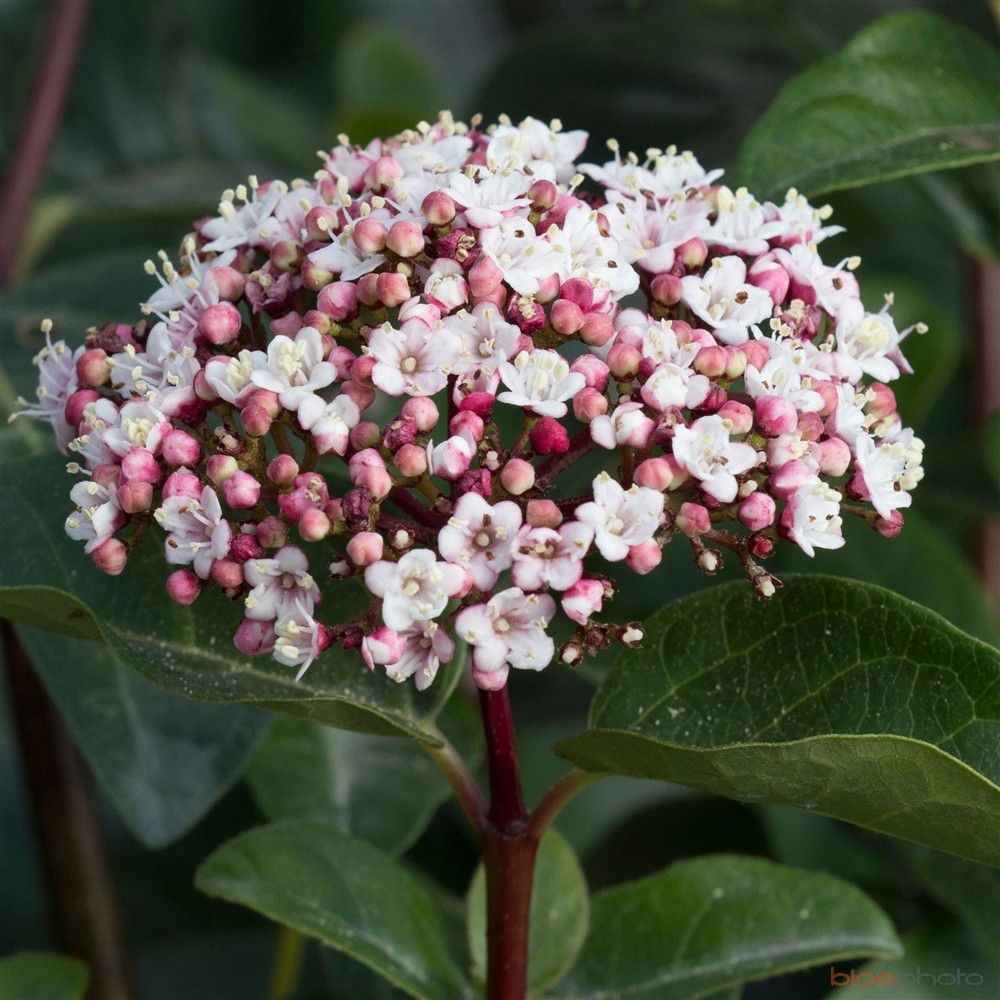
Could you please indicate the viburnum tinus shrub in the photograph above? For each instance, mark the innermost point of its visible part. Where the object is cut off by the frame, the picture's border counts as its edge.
(467, 369)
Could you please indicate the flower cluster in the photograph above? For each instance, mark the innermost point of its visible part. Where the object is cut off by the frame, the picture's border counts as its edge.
(391, 373)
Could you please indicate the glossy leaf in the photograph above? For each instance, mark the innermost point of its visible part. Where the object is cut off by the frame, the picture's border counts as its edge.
(352, 897)
(187, 650)
(47, 608)
(559, 914)
(910, 93)
(672, 935)
(37, 975)
(380, 789)
(835, 696)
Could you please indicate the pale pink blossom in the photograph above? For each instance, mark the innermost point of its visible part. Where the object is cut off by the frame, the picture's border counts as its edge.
(197, 534)
(414, 360)
(97, 516)
(295, 367)
(278, 583)
(708, 454)
(620, 518)
(414, 589)
(539, 380)
(480, 537)
(724, 300)
(550, 557)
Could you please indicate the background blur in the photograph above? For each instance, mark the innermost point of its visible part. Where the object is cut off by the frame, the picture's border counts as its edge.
(174, 100)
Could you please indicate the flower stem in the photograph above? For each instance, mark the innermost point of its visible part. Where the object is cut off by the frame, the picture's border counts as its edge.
(557, 797)
(509, 850)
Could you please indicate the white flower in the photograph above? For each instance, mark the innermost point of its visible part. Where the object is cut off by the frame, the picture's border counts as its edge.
(162, 374)
(295, 368)
(236, 227)
(620, 518)
(486, 337)
(446, 284)
(671, 385)
(664, 174)
(279, 584)
(415, 652)
(415, 589)
(196, 532)
(299, 639)
(525, 258)
(413, 360)
(812, 517)
(538, 149)
(724, 300)
(329, 423)
(547, 557)
(626, 425)
(98, 418)
(139, 425)
(741, 224)
(870, 340)
(592, 256)
(884, 468)
(232, 378)
(487, 196)
(509, 631)
(705, 450)
(786, 373)
(97, 516)
(540, 380)
(480, 537)
(57, 381)
(649, 236)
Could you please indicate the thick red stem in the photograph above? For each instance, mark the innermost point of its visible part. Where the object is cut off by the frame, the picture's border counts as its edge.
(508, 856)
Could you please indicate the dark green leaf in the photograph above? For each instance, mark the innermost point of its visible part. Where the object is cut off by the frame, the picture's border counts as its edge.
(672, 935)
(380, 789)
(559, 914)
(329, 885)
(908, 94)
(37, 975)
(46, 608)
(837, 697)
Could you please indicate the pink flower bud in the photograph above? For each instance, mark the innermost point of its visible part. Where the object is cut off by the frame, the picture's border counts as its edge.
(468, 422)
(438, 208)
(761, 546)
(579, 292)
(693, 520)
(255, 420)
(834, 457)
(383, 646)
(828, 391)
(583, 599)
(182, 484)
(692, 253)
(451, 458)
(739, 415)
(423, 411)
(92, 369)
(789, 478)
(883, 401)
(359, 395)
(549, 437)
(597, 329)
(229, 282)
(183, 587)
(393, 288)
(339, 300)
(377, 481)
(543, 514)
(757, 511)
(593, 369)
(384, 172)
(365, 548)
(107, 474)
(661, 473)
(775, 415)
(755, 352)
(254, 638)
(314, 525)
(771, 276)
(220, 324)
(479, 403)
(135, 496)
(411, 460)
(315, 277)
(810, 426)
(891, 526)
(285, 255)
(518, 476)
(367, 289)
(243, 546)
(282, 470)
(405, 238)
(227, 573)
(203, 389)
(589, 403)
(543, 195)
(369, 235)
(272, 533)
(141, 464)
(178, 448)
(565, 317)
(623, 361)
(219, 468)
(711, 361)
(644, 557)
(76, 403)
(320, 222)
(364, 435)
(241, 490)
(666, 289)
(736, 364)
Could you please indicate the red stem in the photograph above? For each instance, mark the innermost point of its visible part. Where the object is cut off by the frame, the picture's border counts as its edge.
(27, 168)
(508, 856)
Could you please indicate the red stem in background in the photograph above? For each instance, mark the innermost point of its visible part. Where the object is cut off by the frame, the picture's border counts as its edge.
(27, 166)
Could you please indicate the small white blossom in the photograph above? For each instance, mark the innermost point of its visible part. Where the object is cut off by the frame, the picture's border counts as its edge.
(197, 534)
(414, 589)
(540, 380)
(480, 537)
(620, 518)
(295, 368)
(509, 631)
(278, 584)
(706, 451)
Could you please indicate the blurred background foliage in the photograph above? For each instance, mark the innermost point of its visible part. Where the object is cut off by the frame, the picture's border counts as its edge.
(174, 100)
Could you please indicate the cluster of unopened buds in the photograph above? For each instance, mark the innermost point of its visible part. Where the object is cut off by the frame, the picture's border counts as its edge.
(397, 372)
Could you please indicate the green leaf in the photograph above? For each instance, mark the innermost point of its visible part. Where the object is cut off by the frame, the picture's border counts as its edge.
(380, 789)
(47, 608)
(187, 650)
(559, 914)
(835, 696)
(38, 975)
(908, 94)
(352, 897)
(705, 925)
